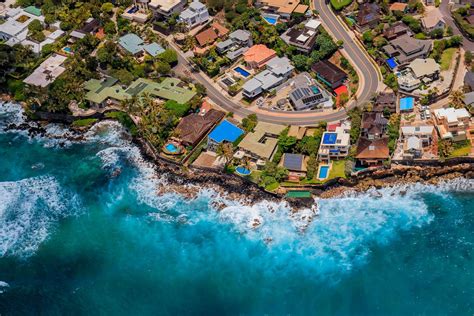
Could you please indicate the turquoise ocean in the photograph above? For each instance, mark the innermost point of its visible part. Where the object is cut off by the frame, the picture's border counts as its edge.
(79, 238)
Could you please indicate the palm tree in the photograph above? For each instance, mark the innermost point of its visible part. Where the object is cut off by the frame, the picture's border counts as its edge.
(226, 151)
(457, 99)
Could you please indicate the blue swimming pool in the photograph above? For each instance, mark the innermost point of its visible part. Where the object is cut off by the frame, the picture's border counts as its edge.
(67, 49)
(242, 71)
(243, 171)
(271, 19)
(171, 148)
(323, 172)
(132, 10)
(329, 138)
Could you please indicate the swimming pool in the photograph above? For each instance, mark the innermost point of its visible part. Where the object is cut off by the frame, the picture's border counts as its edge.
(171, 148)
(271, 19)
(243, 171)
(323, 172)
(67, 50)
(242, 71)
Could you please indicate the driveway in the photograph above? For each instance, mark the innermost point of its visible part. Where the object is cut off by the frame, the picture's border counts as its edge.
(446, 12)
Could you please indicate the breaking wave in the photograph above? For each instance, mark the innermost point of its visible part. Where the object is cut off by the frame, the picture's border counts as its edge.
(29, 209)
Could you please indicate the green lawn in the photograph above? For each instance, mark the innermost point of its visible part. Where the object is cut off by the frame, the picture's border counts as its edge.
(461, 149)
(447, 57)
(272, 186)
(84, 122)
(340, 4)
(337, 170)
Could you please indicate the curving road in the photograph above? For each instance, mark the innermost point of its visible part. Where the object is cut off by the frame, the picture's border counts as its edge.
(446, 12)
(368, 79)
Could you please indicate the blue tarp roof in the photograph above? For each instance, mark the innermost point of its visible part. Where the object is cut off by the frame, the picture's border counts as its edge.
(225, 131)
(407, 104)
(391, 63)
(329, 138)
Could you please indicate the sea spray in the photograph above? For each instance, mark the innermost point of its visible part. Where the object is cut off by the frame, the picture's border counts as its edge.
(29, 209)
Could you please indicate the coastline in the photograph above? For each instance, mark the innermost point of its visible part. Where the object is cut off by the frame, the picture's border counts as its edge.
(188, 181)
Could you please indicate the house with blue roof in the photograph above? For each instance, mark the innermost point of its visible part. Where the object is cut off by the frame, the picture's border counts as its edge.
(407, 104)
(335, 144)
(135, 45)
(224, 132)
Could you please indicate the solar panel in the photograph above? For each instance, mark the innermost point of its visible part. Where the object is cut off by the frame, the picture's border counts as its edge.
(293, 161)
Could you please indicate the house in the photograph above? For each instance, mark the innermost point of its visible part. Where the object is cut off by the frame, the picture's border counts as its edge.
(258, 55)
(284, 8)
(396, 30)
(385, 100)
(298, 132)
(166, 8)
(37, 47)
(90, 26)
(372, 152)
(423, 132)
(452, 123)
(417, 72)
(412, 148)
(225, 132)
(192, 128)
(195, 14)
(262, 142)
(134, 45)
(138, 11)
(407, 104)
(469, 99)
(329, 73)
(368, 16)
(47, 71)
(374, 125)
(105, 92)
(306, 94)
(278, 70)
(469, 81)
(296, 165)
(206, 37)
(433, 20)
(335, 144)
(406, 48)
(210, 35)
(398, 7)
(303, 38)
(15, 28)
(236, 45)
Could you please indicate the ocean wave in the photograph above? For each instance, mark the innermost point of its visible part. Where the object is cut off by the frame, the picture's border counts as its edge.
(3, 286)
(10, 113)
(29, 209)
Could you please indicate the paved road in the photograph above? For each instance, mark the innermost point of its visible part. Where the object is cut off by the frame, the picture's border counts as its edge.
(446, 12)
(368, 80)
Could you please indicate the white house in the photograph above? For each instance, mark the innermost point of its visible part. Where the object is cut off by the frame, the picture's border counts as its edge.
(15, 28)
(195, 14)
(335, 144)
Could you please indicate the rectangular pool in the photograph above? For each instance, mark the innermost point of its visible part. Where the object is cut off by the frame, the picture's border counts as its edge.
(242, 71)
(323, 172)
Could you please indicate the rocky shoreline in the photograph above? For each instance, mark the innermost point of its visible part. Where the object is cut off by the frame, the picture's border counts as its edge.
(189, 181)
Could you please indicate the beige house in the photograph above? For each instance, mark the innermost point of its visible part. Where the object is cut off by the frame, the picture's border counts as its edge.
(452, 123)
(433, 20)
(260, 144)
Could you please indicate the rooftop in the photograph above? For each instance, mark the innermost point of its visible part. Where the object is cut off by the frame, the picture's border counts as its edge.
(329, 71)
(294, 162)
(368, 12)
(258, 54)
(263, 140)
(424, 67)
(225, 131)
(372, 149)
(47, 72)
(132, 43)
(431, 18)
(398, 6)
(451, 115)
(192, 128)
(283, 6)
(206, 37)
(407, 104)
(417, 130)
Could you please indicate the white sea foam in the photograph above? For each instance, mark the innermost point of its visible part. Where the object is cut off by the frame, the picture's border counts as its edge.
(29, 209)
(10, 113)
(3, 286)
